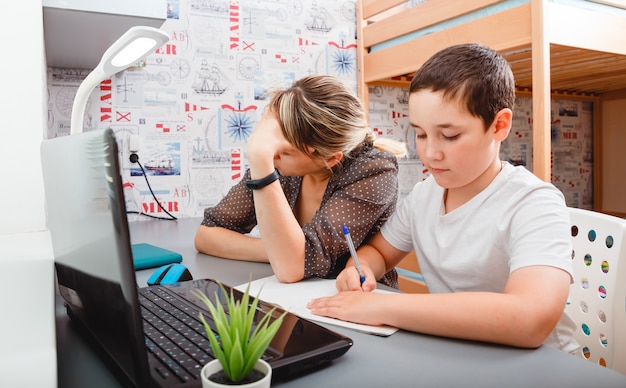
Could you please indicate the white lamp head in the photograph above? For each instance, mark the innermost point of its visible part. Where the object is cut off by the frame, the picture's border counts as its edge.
(130, 48)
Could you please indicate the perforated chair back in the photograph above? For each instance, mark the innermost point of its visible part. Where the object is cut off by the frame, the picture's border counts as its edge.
(598, 295)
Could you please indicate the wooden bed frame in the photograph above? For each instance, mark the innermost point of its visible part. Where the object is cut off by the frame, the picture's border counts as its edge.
(553, 49)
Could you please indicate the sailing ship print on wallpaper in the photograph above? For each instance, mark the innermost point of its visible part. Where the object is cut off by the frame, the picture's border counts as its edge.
(194, 102)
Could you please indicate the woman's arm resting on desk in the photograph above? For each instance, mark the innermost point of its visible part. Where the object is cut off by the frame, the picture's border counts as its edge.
(522, 316)
(222, 242)
(283, 239)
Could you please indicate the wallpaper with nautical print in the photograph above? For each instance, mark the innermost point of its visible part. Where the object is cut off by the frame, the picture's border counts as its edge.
(194, 102)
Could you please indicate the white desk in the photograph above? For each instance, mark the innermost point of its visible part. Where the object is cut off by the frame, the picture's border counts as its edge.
(404, 359)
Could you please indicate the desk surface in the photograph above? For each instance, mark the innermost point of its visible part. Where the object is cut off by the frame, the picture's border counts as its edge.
(404, 359)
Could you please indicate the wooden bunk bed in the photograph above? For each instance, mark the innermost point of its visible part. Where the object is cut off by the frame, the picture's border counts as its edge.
(558, 46)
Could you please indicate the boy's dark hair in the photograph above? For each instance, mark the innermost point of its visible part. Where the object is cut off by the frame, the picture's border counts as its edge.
(473, 73)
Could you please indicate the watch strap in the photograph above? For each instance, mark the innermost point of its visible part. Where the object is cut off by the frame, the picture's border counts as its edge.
(256, 184)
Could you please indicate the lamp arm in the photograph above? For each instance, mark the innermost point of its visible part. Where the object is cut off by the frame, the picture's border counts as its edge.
(81, 98)
(135, 44)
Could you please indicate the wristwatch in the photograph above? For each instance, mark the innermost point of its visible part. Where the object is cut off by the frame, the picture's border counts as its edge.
(256, 184)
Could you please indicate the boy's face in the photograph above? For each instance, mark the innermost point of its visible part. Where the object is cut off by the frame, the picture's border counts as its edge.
(453, 144)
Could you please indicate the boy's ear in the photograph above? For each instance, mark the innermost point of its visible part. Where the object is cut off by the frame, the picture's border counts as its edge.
(502, 123)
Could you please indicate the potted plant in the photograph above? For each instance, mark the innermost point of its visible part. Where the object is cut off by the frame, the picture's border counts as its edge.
(240, 346)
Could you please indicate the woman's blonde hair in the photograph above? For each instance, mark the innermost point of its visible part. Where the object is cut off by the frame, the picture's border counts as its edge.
(320, 111)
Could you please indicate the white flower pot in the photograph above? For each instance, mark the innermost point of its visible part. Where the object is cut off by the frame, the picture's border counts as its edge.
(214, 366)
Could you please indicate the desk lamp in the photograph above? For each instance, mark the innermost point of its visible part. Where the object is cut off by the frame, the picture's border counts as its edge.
(129, 49)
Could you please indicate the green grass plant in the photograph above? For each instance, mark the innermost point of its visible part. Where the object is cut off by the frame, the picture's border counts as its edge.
(239, 346)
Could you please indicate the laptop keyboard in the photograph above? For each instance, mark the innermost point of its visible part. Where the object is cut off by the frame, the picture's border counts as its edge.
(174, 334)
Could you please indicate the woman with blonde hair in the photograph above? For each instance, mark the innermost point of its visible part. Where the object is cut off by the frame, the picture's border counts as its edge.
(314, 165)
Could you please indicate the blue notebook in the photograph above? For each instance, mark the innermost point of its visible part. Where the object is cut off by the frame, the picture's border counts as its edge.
(150, 256)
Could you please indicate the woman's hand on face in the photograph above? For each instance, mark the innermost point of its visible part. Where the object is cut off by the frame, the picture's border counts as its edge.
(266, 140)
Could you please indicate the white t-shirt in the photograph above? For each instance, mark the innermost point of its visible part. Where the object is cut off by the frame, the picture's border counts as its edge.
(517, 221)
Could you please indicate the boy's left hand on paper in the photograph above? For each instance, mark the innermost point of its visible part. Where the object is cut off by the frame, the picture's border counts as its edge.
(351, 306)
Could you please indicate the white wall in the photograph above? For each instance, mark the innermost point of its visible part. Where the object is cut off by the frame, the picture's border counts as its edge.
(26, 278)
(23, 111)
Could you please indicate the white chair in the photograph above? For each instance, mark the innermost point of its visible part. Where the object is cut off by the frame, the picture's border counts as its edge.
(597, 300)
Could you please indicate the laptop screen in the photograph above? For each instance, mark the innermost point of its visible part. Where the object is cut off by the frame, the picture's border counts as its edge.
(95, 272)
(91, 243)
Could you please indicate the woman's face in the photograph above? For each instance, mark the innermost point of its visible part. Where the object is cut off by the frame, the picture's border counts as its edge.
(292, 162)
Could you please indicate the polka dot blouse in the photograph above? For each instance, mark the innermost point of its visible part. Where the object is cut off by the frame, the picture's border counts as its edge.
(362, 193)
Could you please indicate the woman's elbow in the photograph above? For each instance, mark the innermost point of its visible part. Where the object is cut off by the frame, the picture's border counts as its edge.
(199, 240)
(196, 243)
(288, 277)
(287, 272)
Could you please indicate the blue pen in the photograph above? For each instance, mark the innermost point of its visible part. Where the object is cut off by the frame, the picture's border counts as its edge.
(346, 233)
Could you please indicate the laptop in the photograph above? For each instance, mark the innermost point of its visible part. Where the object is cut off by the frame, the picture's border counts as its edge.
(96, 278)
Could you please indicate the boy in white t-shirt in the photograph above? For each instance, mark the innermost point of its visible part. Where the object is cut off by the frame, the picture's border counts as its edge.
(492, 240)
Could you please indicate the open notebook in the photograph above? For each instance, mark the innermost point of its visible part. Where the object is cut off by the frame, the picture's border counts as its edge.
(294, 297)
